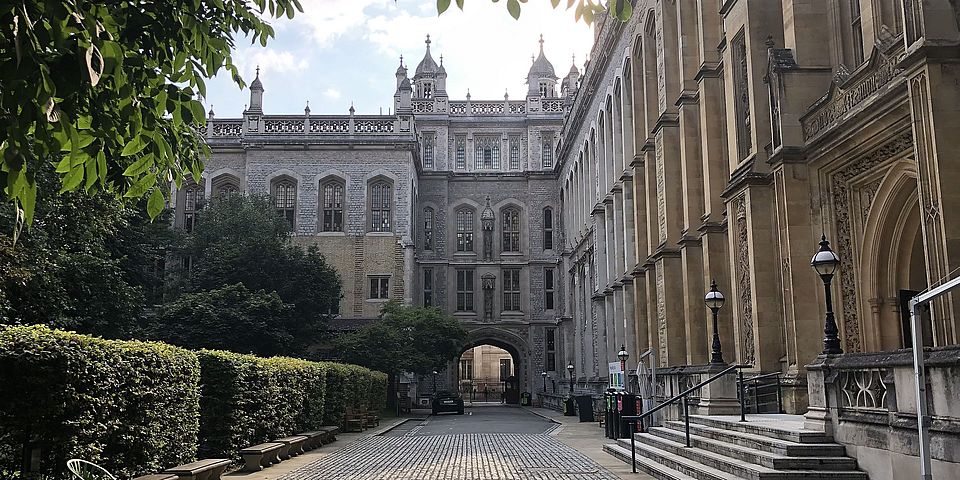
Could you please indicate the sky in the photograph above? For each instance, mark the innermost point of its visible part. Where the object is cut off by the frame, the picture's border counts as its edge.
(339, 52)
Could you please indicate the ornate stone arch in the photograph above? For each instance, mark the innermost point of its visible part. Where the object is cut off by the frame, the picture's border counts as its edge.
(510, 340)
(892, 256)
(221, 180)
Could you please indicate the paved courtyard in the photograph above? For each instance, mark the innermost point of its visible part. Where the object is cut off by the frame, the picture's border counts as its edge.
(494, 443)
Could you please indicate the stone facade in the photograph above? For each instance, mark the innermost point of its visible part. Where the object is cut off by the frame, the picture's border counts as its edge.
(718, 141)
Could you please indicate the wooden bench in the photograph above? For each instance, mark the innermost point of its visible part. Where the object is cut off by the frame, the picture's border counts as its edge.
(209, 469)
(370, 419)
(292, 446)
(157, 476)
(260, 456)
(352, 422)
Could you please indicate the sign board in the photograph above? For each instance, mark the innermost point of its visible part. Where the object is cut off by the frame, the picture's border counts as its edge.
(615, 375)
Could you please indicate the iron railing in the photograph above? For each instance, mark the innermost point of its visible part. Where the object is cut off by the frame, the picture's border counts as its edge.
(682, 396)
(761, 392)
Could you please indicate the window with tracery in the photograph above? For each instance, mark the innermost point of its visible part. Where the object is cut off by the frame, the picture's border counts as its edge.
(511, 230)
(461, 154)
(548, 228)
(488, 153)
(428, 218)
(193, 201)
(465, 230)
(428, 147)
(285, 199)
(514, 153)
(226, 188)
(381, 205)
(465, 290)
(332, 200)
(511, 290)
(546, 155)
(741, 100)
(549, 288)
(427, 287)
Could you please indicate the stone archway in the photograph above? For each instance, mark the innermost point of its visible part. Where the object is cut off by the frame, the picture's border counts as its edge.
(509, 340)
(892, 261)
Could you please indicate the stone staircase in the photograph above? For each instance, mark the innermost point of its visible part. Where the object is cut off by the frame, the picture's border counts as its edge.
(768, 447)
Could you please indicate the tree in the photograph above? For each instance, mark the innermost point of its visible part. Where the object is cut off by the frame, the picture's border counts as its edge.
(404, 339)
(114, 87)
(231, 318)
(585, 10)
(241, 239)
(90, 263)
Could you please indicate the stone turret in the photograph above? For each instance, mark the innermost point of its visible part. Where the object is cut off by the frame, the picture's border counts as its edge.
(256, 95)
(542, 79)
(429, 79)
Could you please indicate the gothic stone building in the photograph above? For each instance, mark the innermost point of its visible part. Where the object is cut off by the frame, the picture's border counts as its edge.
(719, 140)
(446, 203)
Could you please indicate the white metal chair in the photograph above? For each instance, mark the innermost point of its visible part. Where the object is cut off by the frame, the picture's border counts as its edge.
(85, 470)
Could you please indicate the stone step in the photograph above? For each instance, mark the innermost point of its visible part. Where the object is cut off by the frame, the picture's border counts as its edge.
(754, 456)
(703, 464)
(666, 464)
(765, 427)
(761, 442)
(646, 465)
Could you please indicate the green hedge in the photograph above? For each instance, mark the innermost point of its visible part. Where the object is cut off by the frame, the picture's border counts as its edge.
(132, 407)
(142, 407)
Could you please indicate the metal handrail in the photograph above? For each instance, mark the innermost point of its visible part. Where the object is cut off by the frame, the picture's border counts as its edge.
(757, 385)
(633, 419)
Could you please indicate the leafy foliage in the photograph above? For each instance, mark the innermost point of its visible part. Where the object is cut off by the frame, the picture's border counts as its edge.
(114, 86)
(232, 318)
(586, 10)
(405, 339)
(241, 239)
(132, 407)
(81, 247)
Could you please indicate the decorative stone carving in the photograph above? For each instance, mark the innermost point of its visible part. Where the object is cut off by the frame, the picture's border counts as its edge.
(488, 282)
(661, 317)
(744, 287)
(841, 192)
(487, 219)
(661, 190)
(863, 389)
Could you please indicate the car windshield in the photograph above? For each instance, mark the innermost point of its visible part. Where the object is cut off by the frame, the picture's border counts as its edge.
(445, 394)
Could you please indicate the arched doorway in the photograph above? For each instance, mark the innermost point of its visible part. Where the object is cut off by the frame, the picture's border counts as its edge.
(487, 371)
(893, 260)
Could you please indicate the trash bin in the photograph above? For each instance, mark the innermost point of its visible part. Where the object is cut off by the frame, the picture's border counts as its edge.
(610, 406)
(525, 399)
(626, 405)
(568, 407)
(585, 407)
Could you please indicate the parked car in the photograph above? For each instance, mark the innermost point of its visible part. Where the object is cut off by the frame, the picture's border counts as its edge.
(444, 401)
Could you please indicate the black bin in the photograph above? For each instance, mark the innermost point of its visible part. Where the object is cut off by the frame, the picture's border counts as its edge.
(627, 405)
(585, 407)
(568, 407)
(525, 399)
(610, 408)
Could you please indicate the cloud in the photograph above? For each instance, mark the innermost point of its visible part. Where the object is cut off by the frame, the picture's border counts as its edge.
(332, 93)
(270, 61)
(324, 21)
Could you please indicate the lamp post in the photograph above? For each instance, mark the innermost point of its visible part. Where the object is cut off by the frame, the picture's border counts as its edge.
(714, 300)
(825, 262)
(623, 356)
(434, 381)
(570, 371)
(544, 376)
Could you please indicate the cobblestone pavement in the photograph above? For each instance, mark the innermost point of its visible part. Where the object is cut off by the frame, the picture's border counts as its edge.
(472, 456)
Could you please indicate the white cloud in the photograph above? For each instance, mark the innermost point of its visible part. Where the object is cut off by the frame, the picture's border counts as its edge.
(323, 21)
(332, 93)
(270, 61)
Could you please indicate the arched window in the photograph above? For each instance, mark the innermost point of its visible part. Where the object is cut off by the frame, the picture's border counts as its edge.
(285, 199)
(193, 202)
(331, 195)
(511, 230)
(428, 219)
(465, 230)
(226, 189)
(548, 228)
(381, 203)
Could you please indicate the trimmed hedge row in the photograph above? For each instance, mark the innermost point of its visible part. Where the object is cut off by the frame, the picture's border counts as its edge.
(141, 407)
(132, 407)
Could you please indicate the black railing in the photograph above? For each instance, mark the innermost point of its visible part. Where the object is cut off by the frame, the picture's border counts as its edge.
(682, 396)
(761, 393)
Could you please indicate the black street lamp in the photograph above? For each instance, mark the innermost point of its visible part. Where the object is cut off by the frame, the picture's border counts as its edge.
(544, 376)
(623, 356)
(825, 262)
(714, 300)
(570, 371)
(434, 381)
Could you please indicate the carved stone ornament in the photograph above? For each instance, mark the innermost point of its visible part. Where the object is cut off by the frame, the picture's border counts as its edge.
(744, 286)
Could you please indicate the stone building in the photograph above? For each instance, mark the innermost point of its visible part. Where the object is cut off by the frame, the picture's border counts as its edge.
(720, 140)
(444, 202)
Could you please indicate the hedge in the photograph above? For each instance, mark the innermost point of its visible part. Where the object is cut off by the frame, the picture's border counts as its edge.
(132, 407)
(142, 407)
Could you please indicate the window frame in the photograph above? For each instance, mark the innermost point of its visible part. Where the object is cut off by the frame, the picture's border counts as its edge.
(546, 152)
(379, 287)
(548, 228)
(549, 288)
(332, 209)
(193, 198)
(514, 162)
(461, 153)
(510, 238)
(550, 350)
(429, 220)
(380, 213)
(429, 150)
(428, 287)
(288, 209)
(465, 228)
(466, 288)
(512, 299)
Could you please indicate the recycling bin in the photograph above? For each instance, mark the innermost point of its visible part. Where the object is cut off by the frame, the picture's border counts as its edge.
(525, 399)
(626, 406)
(585, 407)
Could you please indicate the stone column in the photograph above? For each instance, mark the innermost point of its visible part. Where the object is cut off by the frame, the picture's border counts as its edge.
(619, 338)
(690, 246)
(409, 270)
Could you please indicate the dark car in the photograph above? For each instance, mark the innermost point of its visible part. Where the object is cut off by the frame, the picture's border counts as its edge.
(444, 401)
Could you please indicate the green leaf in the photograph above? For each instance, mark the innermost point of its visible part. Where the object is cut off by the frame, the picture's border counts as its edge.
(28, 200)
(141, 165)
(72, 179)
(513, 6)
(134, 146)
(155, 203)
(460, 4)
(141, 187)
(555, 3)
(442, 6)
